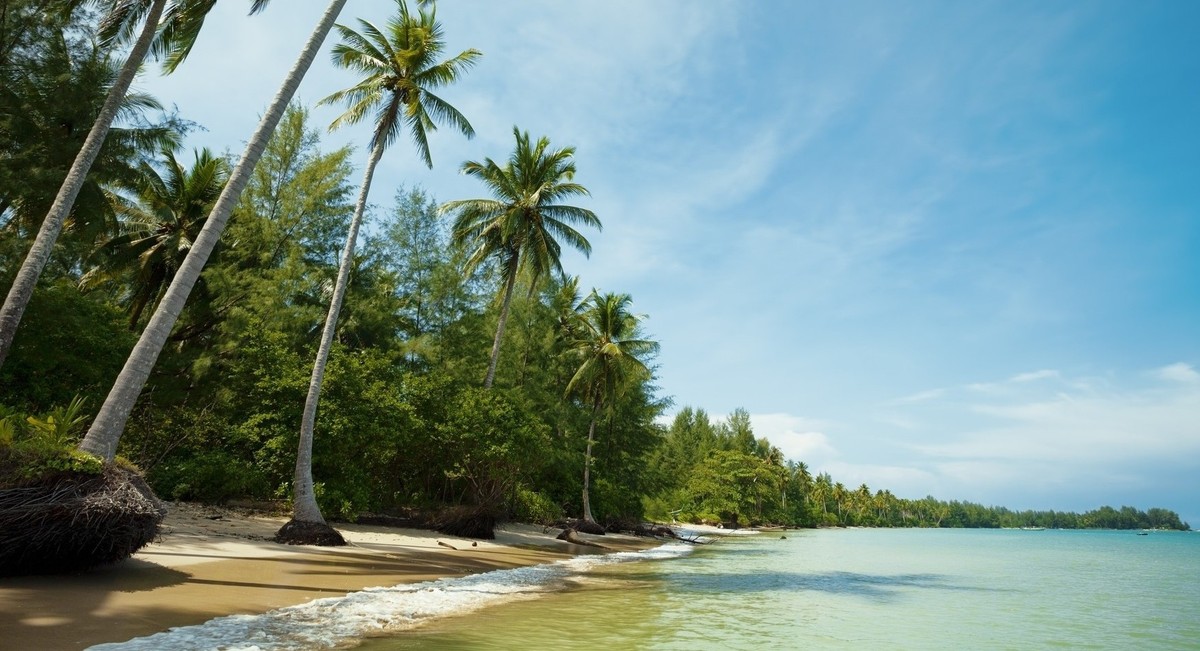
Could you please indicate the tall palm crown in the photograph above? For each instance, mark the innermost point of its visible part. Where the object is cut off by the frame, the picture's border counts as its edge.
(401, 71)
(611, 354)
(159, 229)
(521, 226)
(524, 219)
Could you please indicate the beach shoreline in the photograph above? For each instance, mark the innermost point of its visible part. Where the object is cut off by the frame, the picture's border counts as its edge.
(210, 562)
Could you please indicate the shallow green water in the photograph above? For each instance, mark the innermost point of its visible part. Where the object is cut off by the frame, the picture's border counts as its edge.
(863, 589)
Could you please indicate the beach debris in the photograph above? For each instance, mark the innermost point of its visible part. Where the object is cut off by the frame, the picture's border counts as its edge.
(445, 544)
(572, 536)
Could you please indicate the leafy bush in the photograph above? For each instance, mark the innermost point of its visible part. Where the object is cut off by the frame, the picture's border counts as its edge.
(68, 344)
(534, 507)
(33, 448)
(490, 445)
(212, 476)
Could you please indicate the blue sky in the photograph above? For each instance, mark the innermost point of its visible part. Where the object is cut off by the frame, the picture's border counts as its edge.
(942, 248)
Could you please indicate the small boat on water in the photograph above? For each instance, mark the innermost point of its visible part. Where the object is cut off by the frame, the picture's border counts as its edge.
(1033, 528)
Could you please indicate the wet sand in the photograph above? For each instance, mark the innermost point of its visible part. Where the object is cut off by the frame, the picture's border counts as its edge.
(213, 562)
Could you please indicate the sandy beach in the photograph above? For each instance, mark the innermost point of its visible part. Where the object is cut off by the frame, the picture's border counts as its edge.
(211, 562)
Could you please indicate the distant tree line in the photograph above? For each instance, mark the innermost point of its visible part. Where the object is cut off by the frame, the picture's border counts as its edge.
(717, 471)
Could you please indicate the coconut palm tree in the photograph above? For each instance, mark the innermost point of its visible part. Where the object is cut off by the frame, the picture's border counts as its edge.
(122, 20)
(401, 71)
(159, 229)
(521, 227)
(106, 429)
(47, 103)
(612, 358)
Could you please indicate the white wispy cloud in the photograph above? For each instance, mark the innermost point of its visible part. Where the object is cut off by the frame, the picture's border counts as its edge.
(1178, 372)
(1034, 376)
(799, 438)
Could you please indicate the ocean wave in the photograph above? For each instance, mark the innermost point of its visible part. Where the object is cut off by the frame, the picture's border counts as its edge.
(336, 621)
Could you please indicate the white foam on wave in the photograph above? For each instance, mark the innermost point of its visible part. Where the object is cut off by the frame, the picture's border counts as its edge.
(335, 621)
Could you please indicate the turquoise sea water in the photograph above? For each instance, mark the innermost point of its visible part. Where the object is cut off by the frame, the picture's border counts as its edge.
(826, 589)
(863, 589)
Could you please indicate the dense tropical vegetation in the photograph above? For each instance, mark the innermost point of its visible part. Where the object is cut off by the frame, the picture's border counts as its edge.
(462, 370)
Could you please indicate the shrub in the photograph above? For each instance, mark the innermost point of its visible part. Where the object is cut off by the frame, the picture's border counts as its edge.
(534, 507)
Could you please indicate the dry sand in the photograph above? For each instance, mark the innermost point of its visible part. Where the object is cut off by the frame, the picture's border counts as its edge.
(211, 562)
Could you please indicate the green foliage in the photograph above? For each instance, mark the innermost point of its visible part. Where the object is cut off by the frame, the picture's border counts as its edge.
(157, 231)
(397, 88)
(54, 77)
(490, 444)
(68, 344)
(61, 425)
(538, 508)
(36, 447)
(213, 476)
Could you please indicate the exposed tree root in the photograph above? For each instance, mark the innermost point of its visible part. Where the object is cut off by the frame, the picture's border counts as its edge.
(75, 521)
(299, 532)
(468, 522)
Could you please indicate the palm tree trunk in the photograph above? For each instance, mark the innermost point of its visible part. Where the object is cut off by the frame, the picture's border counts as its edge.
(43, 245)
(105, 432)
(304, 502)
(508, 292)
(587, 465)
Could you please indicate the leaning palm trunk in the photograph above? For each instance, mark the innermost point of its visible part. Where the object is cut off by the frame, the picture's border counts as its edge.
(304, 502)
(587, 465)
(508, 292)
(39, 254)
(106, 430)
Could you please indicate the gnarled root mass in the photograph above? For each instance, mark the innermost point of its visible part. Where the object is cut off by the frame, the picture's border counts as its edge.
(299, 532)
(75, 521)
(467, 522)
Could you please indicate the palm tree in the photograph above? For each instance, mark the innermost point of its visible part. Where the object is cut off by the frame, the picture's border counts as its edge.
(159, 230)
(521, 227)
(106, 429)
(401, 70)
(611, 359)
(123, 19)
(46, 102)
(839, 498)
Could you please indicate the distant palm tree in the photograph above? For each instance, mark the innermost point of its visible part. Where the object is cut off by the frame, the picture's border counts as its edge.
(159, 229)
(612, 358)
(401, 70)
(521, 227)
(123, 19)
(109, 424)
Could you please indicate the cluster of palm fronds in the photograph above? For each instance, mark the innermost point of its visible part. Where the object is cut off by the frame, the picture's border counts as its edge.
(74, 521)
